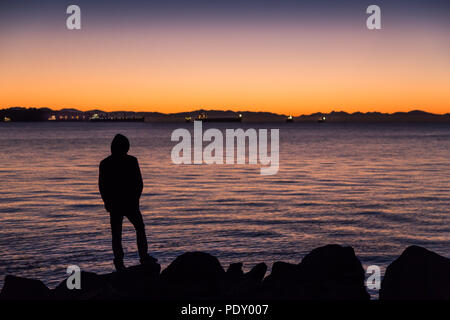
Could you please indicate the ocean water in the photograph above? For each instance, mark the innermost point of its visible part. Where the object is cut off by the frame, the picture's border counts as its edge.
(376, 187)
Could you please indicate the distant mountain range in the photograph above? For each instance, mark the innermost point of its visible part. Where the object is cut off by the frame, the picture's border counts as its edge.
(44, 114)
(341, 116)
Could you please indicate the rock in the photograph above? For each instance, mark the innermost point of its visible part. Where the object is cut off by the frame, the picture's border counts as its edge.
(256, 274)
(244, 286)
(417, 274)
(234, 272)
(283, 282)
(93, 287)
(333, 272)
(17, 288)
(193, 275)
(250, 285)
(234, 277)
(140, 281)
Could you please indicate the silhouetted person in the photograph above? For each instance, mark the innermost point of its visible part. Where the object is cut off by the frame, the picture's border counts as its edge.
(120, 184)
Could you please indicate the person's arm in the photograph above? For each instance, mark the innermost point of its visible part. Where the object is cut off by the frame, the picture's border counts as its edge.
(102, 185)
(139, 182)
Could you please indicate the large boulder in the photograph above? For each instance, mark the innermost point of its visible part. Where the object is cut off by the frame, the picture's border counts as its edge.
(418, 274)
(17, 288)
(93, 287)
(193, 275)
(331, 272)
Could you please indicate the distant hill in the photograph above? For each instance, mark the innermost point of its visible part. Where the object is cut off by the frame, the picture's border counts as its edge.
(247, 115)
(69, 110)
(341, 116)
(43, 114)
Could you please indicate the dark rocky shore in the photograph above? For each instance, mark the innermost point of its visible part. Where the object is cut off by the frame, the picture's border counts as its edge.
(331, 272)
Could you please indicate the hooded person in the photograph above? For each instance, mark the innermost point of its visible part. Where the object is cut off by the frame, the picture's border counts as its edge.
(120, 183)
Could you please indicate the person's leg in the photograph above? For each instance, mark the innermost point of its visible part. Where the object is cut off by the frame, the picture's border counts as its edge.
(116, 230)
(138, 223)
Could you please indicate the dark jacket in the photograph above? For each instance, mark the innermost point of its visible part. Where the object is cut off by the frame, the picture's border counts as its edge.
(120, 182)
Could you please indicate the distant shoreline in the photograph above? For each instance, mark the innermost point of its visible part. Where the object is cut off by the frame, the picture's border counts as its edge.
(20, 114)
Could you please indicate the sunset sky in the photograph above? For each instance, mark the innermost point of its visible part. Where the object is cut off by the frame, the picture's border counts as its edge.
(290, 57)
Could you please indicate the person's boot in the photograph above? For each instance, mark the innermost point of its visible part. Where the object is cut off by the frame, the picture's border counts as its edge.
(120, 266)
(148, 259)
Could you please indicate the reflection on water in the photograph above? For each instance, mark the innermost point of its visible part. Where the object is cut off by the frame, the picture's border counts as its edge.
(376, 187)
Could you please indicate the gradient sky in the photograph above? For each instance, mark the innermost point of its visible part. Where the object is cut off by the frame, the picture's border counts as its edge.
(291, 57)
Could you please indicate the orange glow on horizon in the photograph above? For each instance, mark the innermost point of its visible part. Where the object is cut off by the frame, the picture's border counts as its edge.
(280, 71)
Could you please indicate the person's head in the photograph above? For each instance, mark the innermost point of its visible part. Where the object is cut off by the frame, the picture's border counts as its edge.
(120, 145)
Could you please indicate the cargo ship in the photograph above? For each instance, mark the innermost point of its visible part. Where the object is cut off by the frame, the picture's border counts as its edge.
(97, 118)
(204, 118)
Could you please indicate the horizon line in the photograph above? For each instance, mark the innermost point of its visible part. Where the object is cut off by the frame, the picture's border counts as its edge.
(229, 110)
